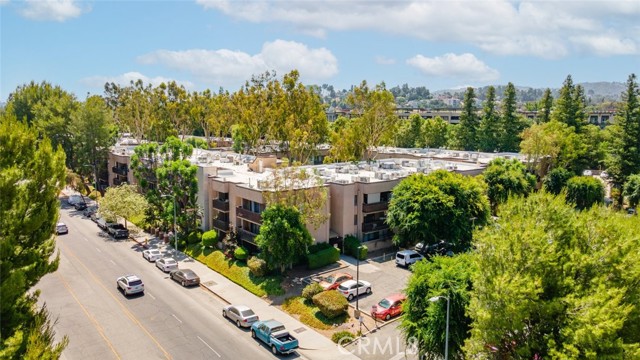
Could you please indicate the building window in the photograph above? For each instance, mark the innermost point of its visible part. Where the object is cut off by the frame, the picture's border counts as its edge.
(355, 200)
(355, 219)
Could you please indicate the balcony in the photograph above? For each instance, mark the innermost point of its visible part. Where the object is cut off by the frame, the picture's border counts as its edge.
(221, 225)
(221, 205)
(120, 170)
(248, 215)
(374, 226)
(375, 207)
(247, 236)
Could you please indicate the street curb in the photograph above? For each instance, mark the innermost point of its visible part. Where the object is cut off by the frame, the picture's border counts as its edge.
(372, 330)
(146, 246)
(215, 294)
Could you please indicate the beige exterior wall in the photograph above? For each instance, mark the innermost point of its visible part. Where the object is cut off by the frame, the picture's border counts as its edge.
(119, 158)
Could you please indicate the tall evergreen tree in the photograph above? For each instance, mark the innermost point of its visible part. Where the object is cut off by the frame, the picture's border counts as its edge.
(469, 122)
(511, 122)
(32, 174)
(570, 106)
(546, 103)
(489, 135)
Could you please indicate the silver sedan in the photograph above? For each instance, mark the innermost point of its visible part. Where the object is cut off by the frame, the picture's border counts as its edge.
(242, 315)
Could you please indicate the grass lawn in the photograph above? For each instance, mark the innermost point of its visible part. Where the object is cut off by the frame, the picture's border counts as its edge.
(310, 314)
(236, 271)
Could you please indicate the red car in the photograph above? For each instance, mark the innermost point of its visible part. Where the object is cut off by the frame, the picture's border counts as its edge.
(332, 282)
(388, 307)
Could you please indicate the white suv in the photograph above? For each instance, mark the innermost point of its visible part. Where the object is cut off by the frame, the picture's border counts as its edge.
(352, 288)
(407, 257)
(167, 264)
(152, 255)
(130, 284)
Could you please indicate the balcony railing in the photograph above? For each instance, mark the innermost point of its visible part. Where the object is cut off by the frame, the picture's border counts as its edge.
(247, 236)
(120, 170)
(375, 207)
(221, 225)
(374, 226)
(249, 215)
(221, 205)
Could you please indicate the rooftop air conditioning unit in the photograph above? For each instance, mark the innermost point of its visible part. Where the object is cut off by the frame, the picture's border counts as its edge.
(385, 176)
(364, 179)
(379, 175)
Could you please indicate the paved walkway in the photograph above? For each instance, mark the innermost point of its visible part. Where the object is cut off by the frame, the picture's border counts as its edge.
(313, 345)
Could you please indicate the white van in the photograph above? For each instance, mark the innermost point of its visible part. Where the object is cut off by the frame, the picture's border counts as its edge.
(406, 258)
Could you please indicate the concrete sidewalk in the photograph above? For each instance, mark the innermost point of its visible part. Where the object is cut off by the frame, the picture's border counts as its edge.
(313, 345)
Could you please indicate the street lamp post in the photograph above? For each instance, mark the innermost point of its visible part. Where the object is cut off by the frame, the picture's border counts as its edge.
(446, 341)
(175, 233)
(358, 286)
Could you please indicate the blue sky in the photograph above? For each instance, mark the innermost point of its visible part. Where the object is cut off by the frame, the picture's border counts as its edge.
(201, 44)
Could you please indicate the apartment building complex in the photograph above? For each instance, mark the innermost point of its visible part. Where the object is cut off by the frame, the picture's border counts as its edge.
(232, 186)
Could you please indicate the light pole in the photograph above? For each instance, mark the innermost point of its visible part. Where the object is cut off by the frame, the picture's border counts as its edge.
(95, 177)
(175, 233)
(446, 341)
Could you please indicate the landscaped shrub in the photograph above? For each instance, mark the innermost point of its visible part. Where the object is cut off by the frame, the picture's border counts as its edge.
(331, 303)
(351, 244)
(241, 253)
(323, 257)
(311, 290)
(316, 248)
(194, 238)
(210, 238)
(257, 266)
(364, 251)
(342, 337)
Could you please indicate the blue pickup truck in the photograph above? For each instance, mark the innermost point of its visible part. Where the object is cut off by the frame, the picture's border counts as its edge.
(274, 334)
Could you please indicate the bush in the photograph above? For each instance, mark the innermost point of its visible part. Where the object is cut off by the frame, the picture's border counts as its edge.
(585, 191)
(311, 290)
(241, 253)
(316, 248)
(194, 237)
(323, 257)
(210, 238)
(351, 244)
(364, 251)
(331, 303)
(258, 267)
(342, 337)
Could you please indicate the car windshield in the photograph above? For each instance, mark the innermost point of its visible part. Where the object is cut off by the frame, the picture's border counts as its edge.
(169, 261)
(247, 313)
(384, 303)
(277, 328)
(154, 252)
(330, 279)
(342, 287)
(135, 282)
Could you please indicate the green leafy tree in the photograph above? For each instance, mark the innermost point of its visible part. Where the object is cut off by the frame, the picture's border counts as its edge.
(283, 237)
(556, 180)
(585, 191)
(346, 142)
(438, 206)
(410, 132)
(550, 145)
(435, 132)
(32, 174)
(469, 122)
(512, 124)
(632, 190)
(489, 132)
(546, 104)
(624, 154)
(506, 178)
(555, 283)
(424, 321)
(123, 201)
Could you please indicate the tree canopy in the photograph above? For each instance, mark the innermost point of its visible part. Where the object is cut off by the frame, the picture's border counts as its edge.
(506, 178)
(123, 201)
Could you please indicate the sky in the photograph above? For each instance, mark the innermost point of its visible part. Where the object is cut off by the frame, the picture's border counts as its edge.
(213, 44)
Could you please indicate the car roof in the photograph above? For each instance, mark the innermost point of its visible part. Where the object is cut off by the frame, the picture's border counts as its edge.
(395, 297)
(351, 282)
(272, 323)
(407, 252)
(241, 307)
(60, 223)
(131, 277)
(169, 259)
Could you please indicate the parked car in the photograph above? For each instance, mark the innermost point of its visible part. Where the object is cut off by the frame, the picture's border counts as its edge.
(152, 255)
(166, 264)
(103, 223)
(130, 284)
(61, 228)
(274, 334)
(332, 281)
(440, 248)
(407, 257)
(185, 277)
(352, 288)
(74, 199)
(242, 315)
(118, 231)
(89, 211)
(388, 307)
(80, 205)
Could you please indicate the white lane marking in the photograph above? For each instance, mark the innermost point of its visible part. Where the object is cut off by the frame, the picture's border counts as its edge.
(85, 239)
(177, 318)
(153, 297)
(204, 342)
(112, 262)
(98, 250)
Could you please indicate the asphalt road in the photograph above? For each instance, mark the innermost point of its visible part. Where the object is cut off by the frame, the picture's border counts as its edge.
(167, 322)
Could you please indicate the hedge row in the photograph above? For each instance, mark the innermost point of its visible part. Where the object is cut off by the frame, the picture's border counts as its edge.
(323, 257)
(351, 244)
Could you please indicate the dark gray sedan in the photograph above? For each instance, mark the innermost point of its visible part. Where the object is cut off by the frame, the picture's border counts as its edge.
(185, 277)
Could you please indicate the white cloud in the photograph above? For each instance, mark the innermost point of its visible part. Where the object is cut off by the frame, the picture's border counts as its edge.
(465, 67)
(229, 68)
(548, 29)
(605, 45)
(383, 60)
(127, 78)
(4, 2)
(56, 10)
